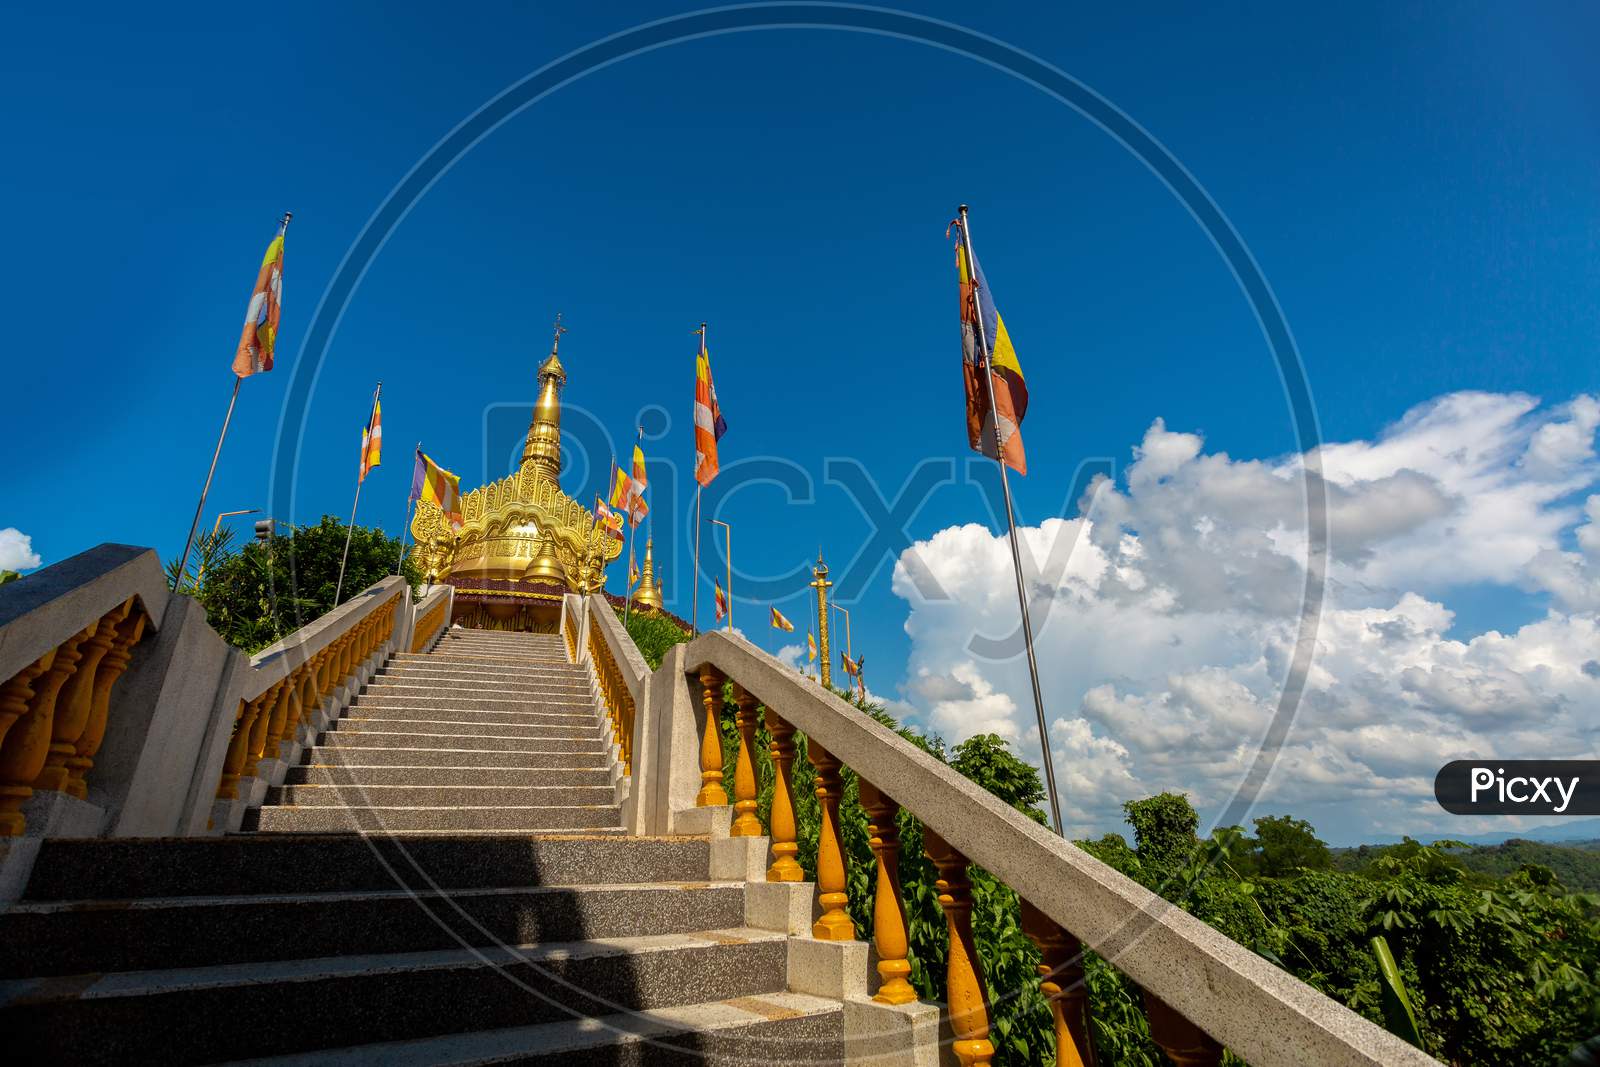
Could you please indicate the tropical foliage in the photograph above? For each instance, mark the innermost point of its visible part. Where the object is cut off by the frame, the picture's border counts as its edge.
(1476, 969)
(257, 594)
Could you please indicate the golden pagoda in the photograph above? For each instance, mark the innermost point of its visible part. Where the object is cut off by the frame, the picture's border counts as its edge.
(647, 594)
(523, 543)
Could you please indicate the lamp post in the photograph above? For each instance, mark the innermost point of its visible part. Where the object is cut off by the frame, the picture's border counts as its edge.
(216, 527)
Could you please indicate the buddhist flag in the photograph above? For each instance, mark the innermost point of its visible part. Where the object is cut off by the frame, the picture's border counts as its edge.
(432, 484)
(781, 623)
(260, 335)
(633, 569)
(850, 666)
(1004, 372)
(620, 487)
(637, 508)
(371, 441)
(709, 425)
(811, 646)
(609, 520)
(721, 599)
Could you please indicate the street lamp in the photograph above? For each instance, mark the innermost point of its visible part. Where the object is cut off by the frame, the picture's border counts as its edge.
(216, 527)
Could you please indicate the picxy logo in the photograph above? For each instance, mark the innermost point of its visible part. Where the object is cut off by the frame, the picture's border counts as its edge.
(1522, 790)
(1519, 787)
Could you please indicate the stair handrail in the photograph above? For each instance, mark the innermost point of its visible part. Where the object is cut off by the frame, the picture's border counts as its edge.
(1203, 990)
(303, 681)
(620, 673)
(67, 636)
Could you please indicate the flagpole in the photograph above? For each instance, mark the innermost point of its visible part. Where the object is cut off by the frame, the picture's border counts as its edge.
(361, 476)
(1011, 529)
(201, 507)
(694, 618)
(728, 545)
(411, 502)
(627, 582)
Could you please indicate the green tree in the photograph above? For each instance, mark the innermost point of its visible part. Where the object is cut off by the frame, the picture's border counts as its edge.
(8, 576)
(1163, 831)
(1286, 845)
(269, 589)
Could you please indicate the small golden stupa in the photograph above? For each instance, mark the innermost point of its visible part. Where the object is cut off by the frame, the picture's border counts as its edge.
(523, 543)
(647, 594)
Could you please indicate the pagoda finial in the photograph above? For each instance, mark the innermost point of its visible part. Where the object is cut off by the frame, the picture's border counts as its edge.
(543, 445)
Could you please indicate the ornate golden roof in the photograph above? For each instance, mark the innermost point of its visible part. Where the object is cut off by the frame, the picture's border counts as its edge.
(521, 535)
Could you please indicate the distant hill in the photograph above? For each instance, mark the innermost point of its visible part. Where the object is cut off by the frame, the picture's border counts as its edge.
(1578, 868)
(1575, 831)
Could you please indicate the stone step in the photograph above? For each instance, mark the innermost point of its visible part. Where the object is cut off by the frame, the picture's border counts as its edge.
(586, 719)
(452, 726)
(374, 818)
(423, 685)
(349, 740)
(206, 1014)
(333, 754)
(124, 869)
(475, 702)
(465, 633)
(417, 662)
(759, 1029)
(494, 659)
(447, 776)
(510, 648)
(99, 936)
(412, 796)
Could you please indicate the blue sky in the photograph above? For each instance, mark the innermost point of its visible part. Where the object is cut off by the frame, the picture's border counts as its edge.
(1422, 192)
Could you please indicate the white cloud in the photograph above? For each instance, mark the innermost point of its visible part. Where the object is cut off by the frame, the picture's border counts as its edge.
(1165, 638)
(16, 551)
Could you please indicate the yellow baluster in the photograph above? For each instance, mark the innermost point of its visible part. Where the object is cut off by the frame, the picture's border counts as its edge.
(711, 794)
(261, 729)
(834, 924)
(15, 696)
(233, 761)
(888, 910)
(116, 661)
(1061, 981)
(745, 823)
(969, 1003)
(1185, 1044)
(27, 743)
(784, 866)
(76, 702)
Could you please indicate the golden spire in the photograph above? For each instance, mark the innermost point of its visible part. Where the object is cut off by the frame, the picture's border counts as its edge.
(543, 447)
(648, 595)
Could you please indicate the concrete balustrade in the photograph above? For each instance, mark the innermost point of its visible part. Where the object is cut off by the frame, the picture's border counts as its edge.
(1203, 992)
(123, 714)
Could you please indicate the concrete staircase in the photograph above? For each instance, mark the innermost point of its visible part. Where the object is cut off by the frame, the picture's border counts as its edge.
(488, 733)
(490, 911)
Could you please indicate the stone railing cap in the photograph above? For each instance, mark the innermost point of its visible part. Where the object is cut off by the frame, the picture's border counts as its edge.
(288, 653)
(39, 611)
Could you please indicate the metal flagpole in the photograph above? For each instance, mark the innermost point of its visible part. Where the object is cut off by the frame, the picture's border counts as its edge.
(728, 546)
(1011, 529)
(411, 502)
(361, 476)
(201, 507)
(694, 619)
(627, 605)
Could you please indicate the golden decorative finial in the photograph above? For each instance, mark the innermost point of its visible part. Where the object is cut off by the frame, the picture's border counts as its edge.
(821, 584)
(543, 446)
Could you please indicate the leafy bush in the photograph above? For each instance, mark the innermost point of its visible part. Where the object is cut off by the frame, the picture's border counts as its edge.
(269, 589)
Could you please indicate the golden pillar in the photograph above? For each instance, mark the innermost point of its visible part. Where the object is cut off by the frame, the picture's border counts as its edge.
(822, 585)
